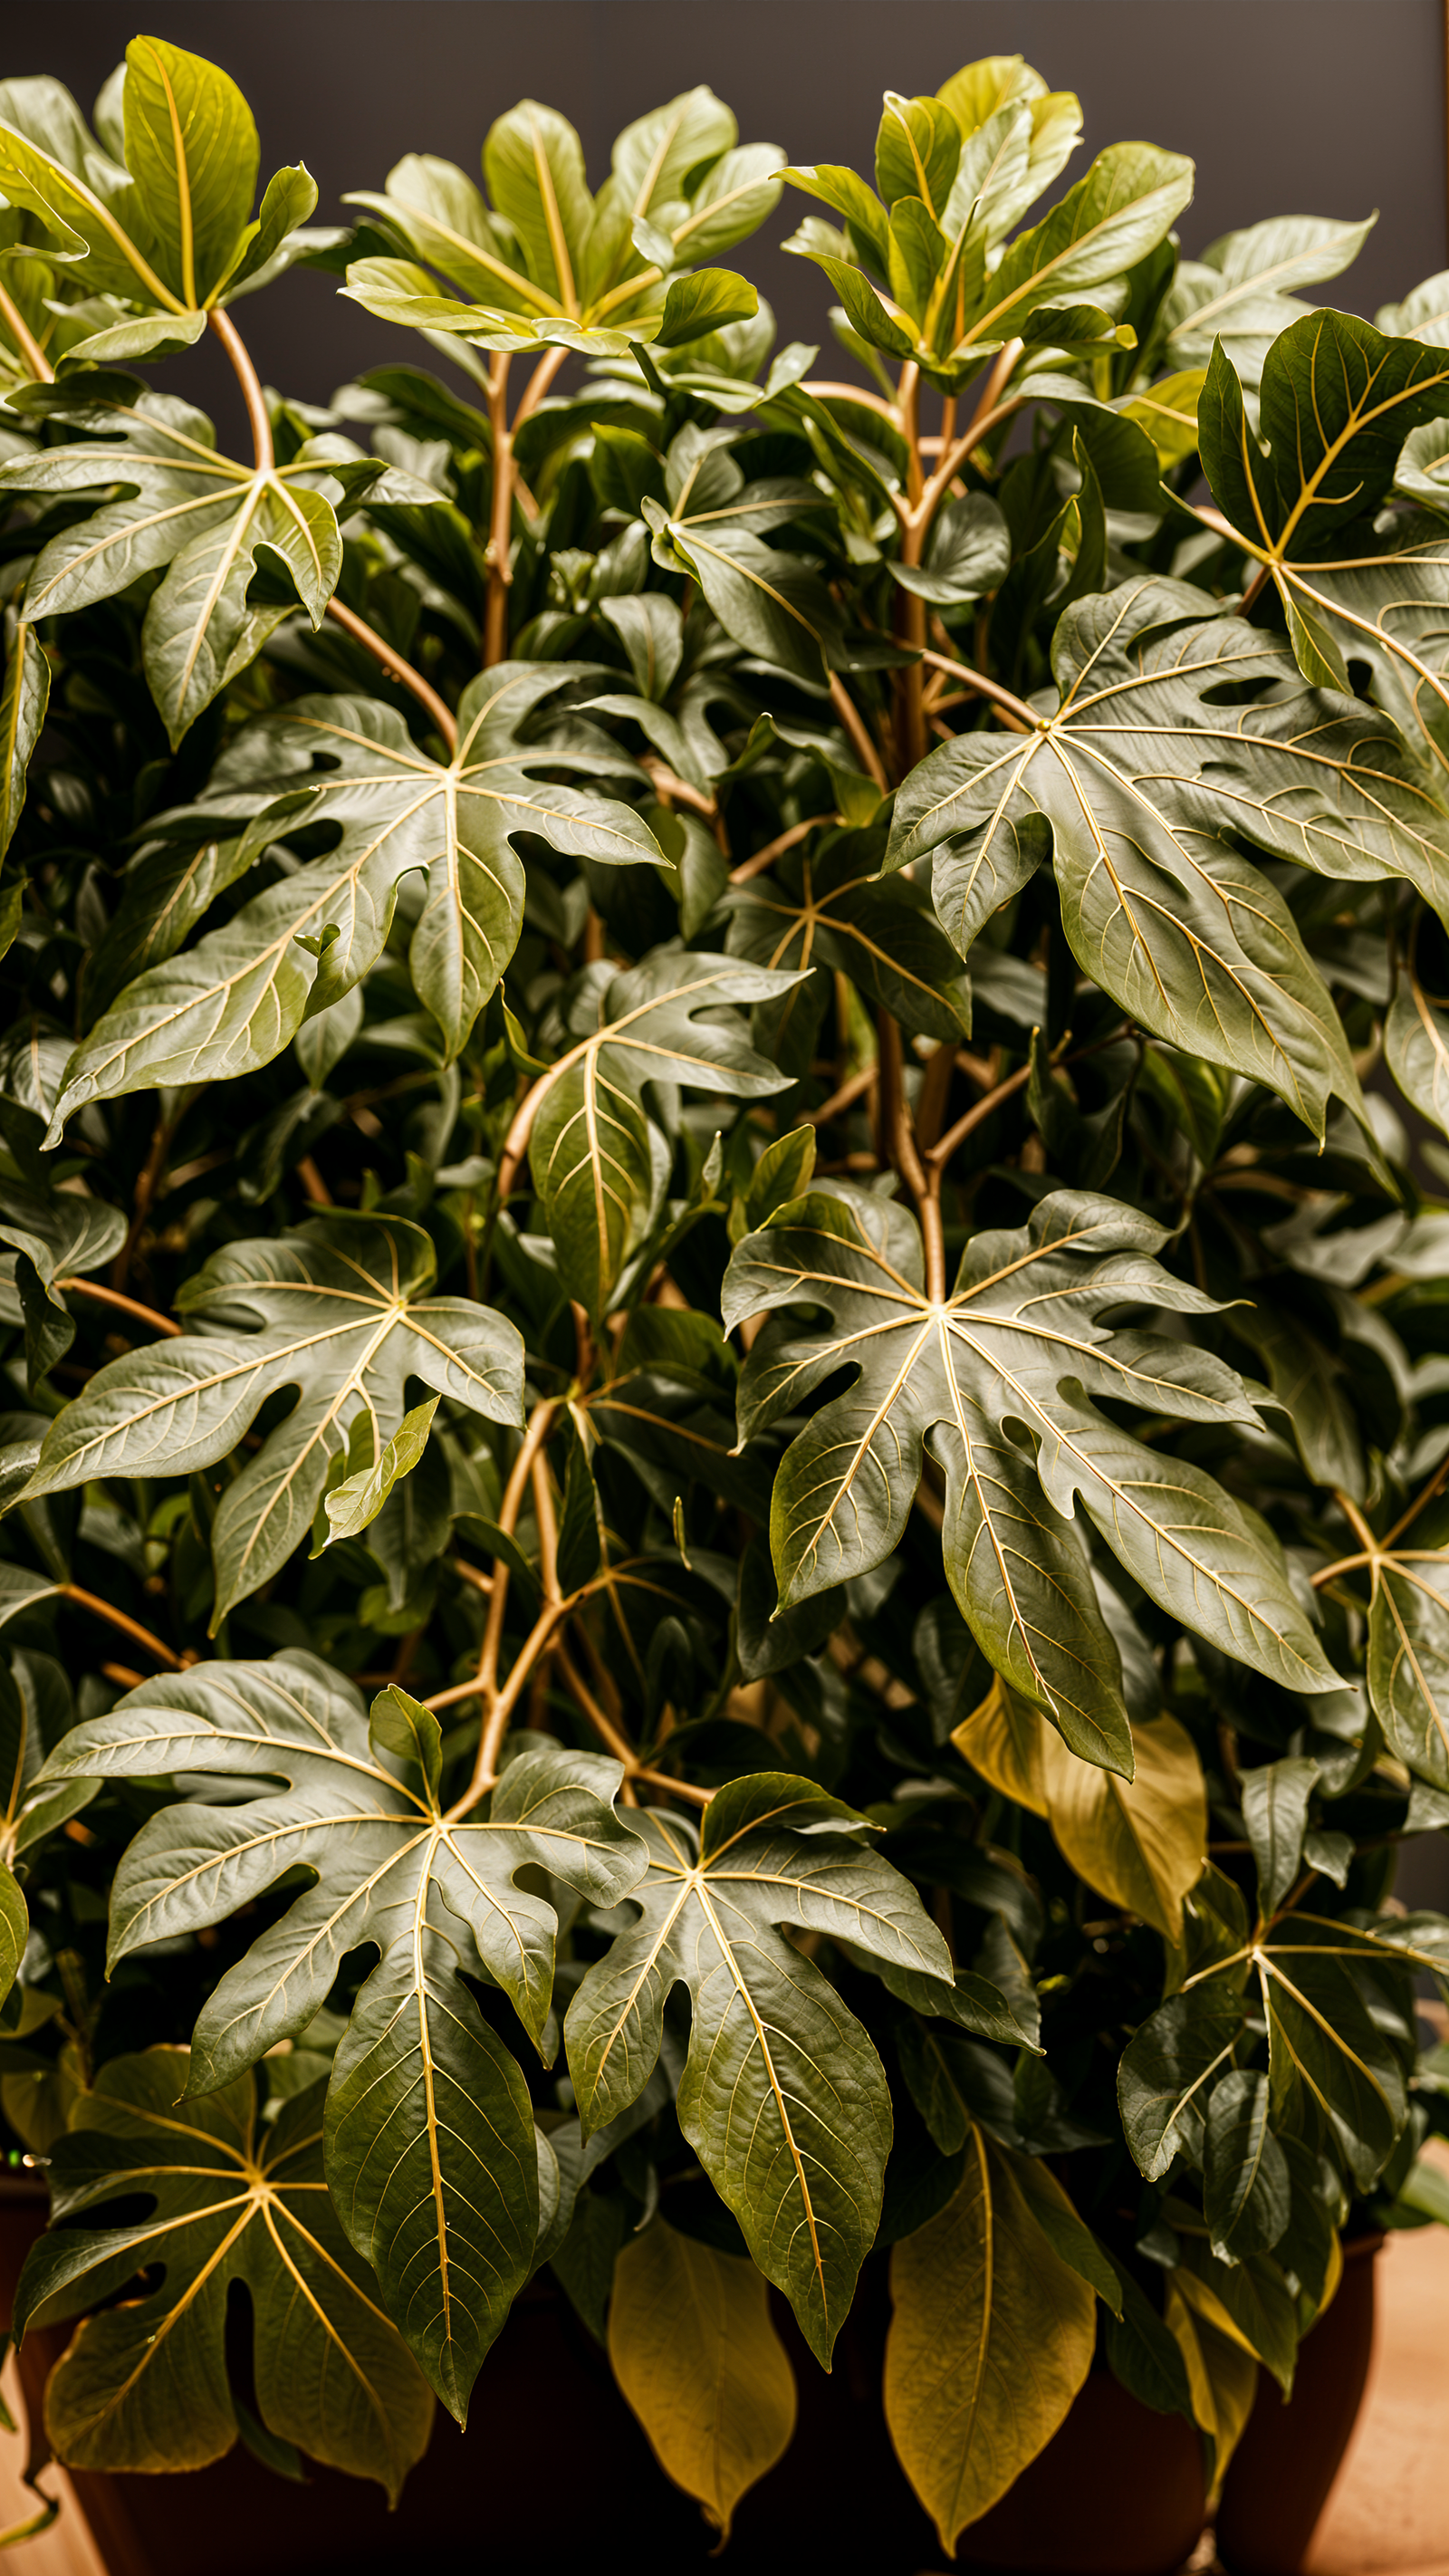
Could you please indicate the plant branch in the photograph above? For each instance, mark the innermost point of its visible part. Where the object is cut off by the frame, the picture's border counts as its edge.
(397, 665)
(855, 725)
(762, 859)
(500, 522)
(258, 420)
(129, 1627)
(29, 347)
(1021, 717)
(127, 1305)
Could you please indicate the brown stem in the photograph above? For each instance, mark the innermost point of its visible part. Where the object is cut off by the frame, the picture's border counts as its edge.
(990, 410)
(898, 1145)
(598, 1717)
(247, 377)
(146, 1188)
(129, 1627)
(29, 347)
(539, 382)
(826, 390)
(855, 725)
(127, 1305)
(844, 1098)
(945, 1146)
(762, 859)
(676, 1788)
(934, 1094)
(400, 669)
(500, 522)
(1015, 709)
(1433, 1486)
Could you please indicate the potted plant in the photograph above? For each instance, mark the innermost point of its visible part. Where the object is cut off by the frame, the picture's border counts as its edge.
(723, 1561)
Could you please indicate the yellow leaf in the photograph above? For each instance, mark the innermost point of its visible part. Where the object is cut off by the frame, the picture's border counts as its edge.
(990, 2341)
(1140, 1842)
(698, 2359)
(1002, 1740)
(1222, 2376)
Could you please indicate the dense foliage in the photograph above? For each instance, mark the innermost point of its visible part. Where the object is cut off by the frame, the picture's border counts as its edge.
(724, 1537)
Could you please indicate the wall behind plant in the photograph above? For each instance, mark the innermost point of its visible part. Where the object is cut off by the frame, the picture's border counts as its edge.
(1288, 106)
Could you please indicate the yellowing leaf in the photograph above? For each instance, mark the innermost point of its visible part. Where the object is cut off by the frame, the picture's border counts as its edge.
(1139, 1842)
(1221, 2374)
(1002, 1739)
(990, 2341)
(696, 2354)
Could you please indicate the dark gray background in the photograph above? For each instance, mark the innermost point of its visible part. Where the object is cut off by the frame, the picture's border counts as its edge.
(1287, 106)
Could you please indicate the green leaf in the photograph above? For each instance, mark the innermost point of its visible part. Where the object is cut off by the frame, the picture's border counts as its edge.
(849, 196)
(353, 1505)
(343, 1311)
(831, 913)
(269, 244)
(1119, 211)
(991, 2338)
(773, 604)
(1246, 2185)
(145, 2385)
(969, 553)
(431, 2160)
(1242, 290)
(534, 165)
(1338, 400)
(693, 2348)
(773, 2051)
(236, 999)
(1408, 1659)
(999, 87)
(917, 148)
(1167, 2072)
(1017, 1332)
(592, 1149)
(50, 167)
(22, 715)
(1141, 774)
(199, 514)
(192, 151)
(705, 301)
(1275, 1802)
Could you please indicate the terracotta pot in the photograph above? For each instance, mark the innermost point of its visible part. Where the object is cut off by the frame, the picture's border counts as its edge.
(1287, 2460)
(1117, 2492)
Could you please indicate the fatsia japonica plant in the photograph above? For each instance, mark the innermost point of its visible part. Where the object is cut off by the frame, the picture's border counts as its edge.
(726, 1549)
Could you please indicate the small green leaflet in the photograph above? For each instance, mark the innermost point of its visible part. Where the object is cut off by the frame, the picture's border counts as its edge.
(353, 1506)
(237, 998)
(186, 508)
(1134, 783)
(773, 2051)
(1338, 2008)
(598, 1163)
(342, 1310)
(832, 911)
(1339, 400)
(947, 306)
(1017, 1342)
(431, 2155)
(145, 2385)
(172, 232)
(22, 714)
(549, 265)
